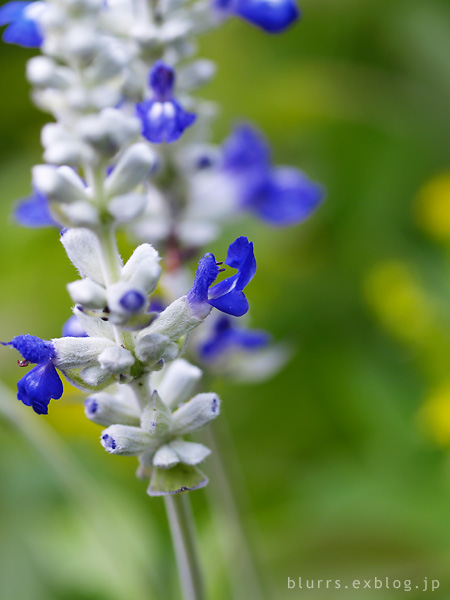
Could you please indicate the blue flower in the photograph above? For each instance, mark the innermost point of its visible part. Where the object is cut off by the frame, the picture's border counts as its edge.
(226, 336)
(72, 328)
(273, 16)
(246, 150)
(23, 28)
(42, 383)
(278, 195)
(227, 296)
(34, 211)
(162, 117)
(285, 196)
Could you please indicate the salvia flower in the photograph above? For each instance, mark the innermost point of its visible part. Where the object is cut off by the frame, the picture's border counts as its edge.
(42, 383)
(279, 196)
(226, 337)
(73, 328)
(227, 295)
(34, 211)
(162, 117)
(22, 26)
(273, 16)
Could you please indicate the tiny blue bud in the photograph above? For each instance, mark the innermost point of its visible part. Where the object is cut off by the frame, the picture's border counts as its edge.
(132, 301)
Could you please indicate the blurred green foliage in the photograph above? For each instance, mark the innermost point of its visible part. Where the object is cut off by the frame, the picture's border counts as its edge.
(344, 454)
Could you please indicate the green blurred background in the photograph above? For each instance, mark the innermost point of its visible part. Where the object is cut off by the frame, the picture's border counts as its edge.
(340, 462)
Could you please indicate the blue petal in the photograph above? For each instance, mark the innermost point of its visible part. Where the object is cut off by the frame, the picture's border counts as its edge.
(39, 386)
(273, 16)
(223, 287)
(225, 337)
(34, 212)
(11, 11)
(163, 121)
(240, 256)
(234, 303)
(24, 32)
(245, 149)
(72, 328)
(205, 275)
(285, 197)
(162, 80)
(33, 348)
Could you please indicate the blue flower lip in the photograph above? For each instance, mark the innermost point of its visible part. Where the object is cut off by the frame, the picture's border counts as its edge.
(227, 295)
(42, 383)
(32, 348)
(227, 336)
(22, 26)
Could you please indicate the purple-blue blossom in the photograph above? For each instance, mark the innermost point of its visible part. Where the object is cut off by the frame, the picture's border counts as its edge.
(279, 196)
(22, 28)
(273, 16)
(162, 117)
(227, 295)
(34, 211)
(226, 336)
(73, 328)
(42, 383)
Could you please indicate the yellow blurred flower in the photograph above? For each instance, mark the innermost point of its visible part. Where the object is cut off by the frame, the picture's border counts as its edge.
(433, 207)
(398, 300)
(434, 416)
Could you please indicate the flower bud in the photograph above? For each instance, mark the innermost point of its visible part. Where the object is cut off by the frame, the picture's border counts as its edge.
(108, 62)
(88, 293)
(154, 347)
(59, 184)
(165, 457)
(125, 440)
(72, 353)
(156, 417)
(94, 377)
(116, 359)
(110, 409)
(195, 74)
(196, 413)
(131, 170)
(174, 322)
(190, 453)
(124, 301)
(83, 250)
(179, 382)
(143, 269)
(93, 325)
(43, 72)
(77, 214)
(127, 207)
(108, 131)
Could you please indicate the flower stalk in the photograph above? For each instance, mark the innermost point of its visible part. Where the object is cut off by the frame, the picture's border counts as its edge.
(182, 528)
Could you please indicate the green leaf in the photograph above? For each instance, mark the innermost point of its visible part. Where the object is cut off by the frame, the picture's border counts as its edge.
(182, 478)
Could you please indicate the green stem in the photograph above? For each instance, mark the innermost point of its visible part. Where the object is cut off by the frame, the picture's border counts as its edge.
(243, 574)
(181, 524)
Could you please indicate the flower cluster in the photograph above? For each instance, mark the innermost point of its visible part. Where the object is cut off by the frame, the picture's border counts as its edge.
(129, 147)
